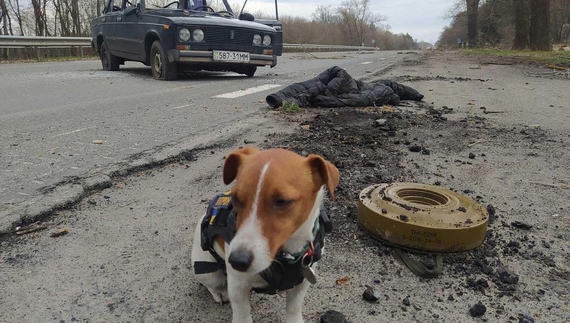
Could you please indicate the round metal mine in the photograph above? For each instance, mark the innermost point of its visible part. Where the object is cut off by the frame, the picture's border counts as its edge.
(422, 217)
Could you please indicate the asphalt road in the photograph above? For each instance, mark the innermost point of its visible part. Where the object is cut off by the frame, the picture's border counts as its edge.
(50, 114)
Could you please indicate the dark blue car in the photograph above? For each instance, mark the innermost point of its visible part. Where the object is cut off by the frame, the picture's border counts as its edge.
(184, 35)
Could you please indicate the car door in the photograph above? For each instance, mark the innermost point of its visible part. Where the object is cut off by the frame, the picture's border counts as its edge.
(127, 32)
(109, 25)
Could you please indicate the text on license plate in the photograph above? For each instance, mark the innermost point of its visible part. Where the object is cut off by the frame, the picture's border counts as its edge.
(226, 56)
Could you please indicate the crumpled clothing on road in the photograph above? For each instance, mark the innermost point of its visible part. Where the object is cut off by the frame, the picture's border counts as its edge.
(336, 88)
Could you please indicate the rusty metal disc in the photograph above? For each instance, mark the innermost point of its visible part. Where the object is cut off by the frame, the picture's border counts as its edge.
(421, 217)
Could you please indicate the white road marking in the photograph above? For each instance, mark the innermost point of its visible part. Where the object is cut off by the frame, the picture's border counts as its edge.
(180, 107)
(251, 90)
(68, 133)
(365, 63)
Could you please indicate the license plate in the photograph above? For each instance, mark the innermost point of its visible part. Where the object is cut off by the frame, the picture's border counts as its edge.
(225, 56)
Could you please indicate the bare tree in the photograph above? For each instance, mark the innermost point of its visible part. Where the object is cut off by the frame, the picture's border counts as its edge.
(16, 10)
(356, 17)
(521, 24)
(76, 18)
(62, 16)
(5, 19)
(39, 16)
(540, 25)
(472, 18)
(87, 12)
(560, 21)
(326, 14)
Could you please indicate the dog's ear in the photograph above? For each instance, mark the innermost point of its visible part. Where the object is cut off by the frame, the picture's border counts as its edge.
(326, 173)
(233, 161)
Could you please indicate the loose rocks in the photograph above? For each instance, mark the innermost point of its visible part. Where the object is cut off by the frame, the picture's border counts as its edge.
(508, 278)
(478, 310)
(491, 212)
(370, 295)
(415, 149)
(521, 225)
(525, 319)
(331, 316)
(380, 122)
(479, 284)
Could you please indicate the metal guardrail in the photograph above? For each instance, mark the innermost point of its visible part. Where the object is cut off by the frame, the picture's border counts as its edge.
(67, 42)
(44, 42)
(316, 46)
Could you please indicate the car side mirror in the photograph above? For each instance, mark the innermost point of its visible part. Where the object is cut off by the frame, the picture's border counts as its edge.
(246, 16)
(130, 10)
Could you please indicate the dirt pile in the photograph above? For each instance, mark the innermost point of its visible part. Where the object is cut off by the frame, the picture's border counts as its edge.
(383, 145)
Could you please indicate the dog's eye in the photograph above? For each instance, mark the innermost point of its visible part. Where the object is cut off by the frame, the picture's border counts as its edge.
(282, 203)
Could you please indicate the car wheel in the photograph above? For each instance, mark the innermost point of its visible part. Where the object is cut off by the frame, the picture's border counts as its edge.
(250, 72)
(161, 68)
(109, 61)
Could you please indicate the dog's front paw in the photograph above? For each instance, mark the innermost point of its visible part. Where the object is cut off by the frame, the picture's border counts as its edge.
(221, 297)
(224, 298)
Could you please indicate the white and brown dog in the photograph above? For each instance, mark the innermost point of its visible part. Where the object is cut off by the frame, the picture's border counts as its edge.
(277, 201)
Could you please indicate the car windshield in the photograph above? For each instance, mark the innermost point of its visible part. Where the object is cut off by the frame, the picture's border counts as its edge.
(197, 5)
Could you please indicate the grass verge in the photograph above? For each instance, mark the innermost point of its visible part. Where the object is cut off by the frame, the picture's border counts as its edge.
(51, 59)
(560, 58)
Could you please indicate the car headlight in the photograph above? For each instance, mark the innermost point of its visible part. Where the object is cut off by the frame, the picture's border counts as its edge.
(256, 40)
(198, 35)
(184, 34)
(266, 40)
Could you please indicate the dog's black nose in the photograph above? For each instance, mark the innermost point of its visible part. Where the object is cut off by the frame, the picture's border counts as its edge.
(241, 259)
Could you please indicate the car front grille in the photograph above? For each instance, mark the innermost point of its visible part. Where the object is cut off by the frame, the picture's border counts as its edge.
(222, 35)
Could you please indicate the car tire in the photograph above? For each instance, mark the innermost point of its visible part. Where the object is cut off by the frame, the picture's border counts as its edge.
(250, 72)
(109, 61)
(161, 68)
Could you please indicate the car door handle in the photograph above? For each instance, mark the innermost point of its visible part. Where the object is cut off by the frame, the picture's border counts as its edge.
(119, 18)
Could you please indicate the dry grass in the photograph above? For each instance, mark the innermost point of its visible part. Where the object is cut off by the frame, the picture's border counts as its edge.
(561, 58)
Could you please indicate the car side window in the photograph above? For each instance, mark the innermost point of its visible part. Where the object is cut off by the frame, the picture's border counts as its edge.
(116, 5)
(198, 5)
(154, 4)
(131, 3)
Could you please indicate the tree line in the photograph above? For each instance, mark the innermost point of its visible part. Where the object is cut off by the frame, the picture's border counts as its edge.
(48, 17)
(516, 24)
(352, 23)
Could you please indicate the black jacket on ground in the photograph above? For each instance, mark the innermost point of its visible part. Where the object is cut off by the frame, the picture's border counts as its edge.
(336, 88)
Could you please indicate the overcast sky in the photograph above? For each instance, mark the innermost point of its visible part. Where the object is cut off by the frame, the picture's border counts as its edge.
(423, 19)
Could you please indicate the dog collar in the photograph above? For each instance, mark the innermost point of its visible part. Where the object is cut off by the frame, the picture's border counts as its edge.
(307, 252)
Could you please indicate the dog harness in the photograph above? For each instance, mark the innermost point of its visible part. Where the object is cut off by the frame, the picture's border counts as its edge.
(286, 270)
